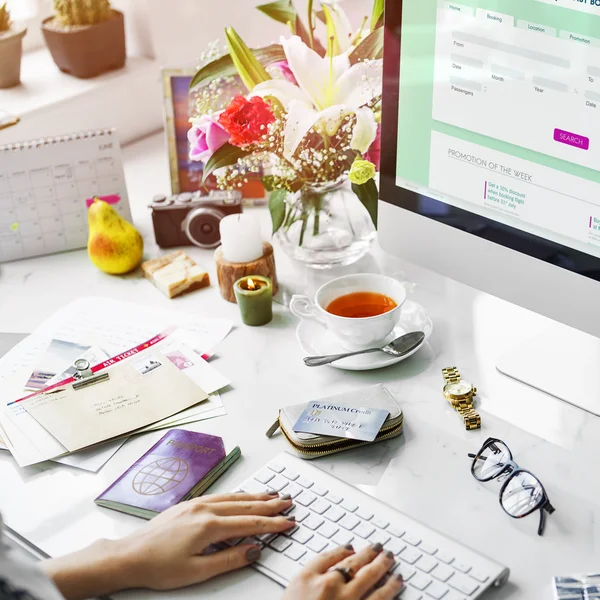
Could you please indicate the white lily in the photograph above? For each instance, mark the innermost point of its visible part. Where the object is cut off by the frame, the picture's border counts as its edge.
(328, 90)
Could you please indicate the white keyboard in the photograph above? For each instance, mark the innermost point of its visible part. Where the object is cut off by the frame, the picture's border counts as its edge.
(331, 513)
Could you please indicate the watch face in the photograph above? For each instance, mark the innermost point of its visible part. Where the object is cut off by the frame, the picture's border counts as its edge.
(460, 388)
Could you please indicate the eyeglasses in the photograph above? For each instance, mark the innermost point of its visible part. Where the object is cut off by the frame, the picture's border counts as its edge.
(522, 492)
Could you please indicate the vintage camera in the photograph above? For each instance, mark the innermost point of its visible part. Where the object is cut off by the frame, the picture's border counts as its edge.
(192, 218)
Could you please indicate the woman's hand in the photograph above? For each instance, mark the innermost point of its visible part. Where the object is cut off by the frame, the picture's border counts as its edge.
(367, 574)
(167, 552)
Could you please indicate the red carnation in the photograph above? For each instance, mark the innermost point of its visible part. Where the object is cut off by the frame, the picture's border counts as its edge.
(247, 120)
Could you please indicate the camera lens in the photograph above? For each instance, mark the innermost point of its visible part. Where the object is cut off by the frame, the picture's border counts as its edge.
(202, 227)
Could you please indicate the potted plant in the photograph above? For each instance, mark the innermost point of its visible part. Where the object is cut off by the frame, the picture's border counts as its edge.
(85, 37)
(10, 50)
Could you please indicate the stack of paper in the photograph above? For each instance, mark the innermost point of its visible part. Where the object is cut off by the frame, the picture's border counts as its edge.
(37, 429)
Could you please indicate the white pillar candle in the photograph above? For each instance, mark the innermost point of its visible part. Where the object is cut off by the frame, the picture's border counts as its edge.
(240, 238)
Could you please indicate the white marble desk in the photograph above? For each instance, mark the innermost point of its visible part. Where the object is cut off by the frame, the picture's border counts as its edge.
(425, 472)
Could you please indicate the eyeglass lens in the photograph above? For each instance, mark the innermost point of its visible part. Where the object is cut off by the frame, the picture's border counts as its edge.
(522, 494)
(490, 462)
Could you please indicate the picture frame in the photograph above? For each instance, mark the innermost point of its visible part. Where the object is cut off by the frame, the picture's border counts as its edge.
(186, 175)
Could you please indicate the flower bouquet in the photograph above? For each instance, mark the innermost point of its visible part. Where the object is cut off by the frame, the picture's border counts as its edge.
(308, 121)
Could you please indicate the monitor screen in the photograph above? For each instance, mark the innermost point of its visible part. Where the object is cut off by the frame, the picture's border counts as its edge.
(492, 121)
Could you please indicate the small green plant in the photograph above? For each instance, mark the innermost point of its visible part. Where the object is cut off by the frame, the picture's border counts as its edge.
(4, 18)
(73, 13)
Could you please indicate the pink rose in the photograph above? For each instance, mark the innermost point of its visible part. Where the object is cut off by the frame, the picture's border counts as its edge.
(284, 68)
(374, 153)
(206, 138)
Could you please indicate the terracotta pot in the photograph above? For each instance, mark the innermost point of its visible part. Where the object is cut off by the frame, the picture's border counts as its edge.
(90, 50)
(11, 51)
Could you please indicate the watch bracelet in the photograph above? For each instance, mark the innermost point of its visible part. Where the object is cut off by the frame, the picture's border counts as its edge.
(464, 407)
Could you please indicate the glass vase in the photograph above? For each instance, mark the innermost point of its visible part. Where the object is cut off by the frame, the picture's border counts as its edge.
(326, 225)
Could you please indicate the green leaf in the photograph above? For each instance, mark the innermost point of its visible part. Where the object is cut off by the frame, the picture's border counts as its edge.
(277, 208)
(249, 69)
(371, 48)
(224, 157)
(377, 17)
(369, 196)
(224, 67)
(284, 11)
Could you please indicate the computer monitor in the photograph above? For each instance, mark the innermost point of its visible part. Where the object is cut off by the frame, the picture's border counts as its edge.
(491, 164)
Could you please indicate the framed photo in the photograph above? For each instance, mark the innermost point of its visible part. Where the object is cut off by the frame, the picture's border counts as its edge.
(186, 174)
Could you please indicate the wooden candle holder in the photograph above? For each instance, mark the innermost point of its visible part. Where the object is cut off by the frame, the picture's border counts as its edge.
(228, 273)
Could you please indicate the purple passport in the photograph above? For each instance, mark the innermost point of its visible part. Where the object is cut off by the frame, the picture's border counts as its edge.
(179, 467)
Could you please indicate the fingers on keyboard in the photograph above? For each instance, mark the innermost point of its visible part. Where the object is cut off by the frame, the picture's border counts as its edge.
(327, 560)
(242, 526)
(368, 576)
(268, 508)
(390, 589)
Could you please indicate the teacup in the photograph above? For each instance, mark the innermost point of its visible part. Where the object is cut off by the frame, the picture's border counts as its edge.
(356, 333)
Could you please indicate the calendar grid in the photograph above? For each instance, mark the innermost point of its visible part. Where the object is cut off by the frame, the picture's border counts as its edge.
(44, 185)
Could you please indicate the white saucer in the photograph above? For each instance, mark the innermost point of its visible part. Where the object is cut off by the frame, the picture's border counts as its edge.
(316, 340)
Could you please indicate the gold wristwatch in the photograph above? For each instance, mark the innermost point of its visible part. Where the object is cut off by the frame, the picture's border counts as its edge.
(461, 394)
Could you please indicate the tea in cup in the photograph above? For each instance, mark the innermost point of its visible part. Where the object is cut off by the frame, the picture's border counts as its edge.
(360, 310)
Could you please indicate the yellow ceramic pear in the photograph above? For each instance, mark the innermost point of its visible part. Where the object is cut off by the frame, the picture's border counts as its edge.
(114, 246)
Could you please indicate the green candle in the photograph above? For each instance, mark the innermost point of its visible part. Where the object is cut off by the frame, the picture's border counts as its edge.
(254, 295)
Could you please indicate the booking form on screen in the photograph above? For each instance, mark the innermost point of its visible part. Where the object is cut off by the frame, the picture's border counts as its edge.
(500, 112)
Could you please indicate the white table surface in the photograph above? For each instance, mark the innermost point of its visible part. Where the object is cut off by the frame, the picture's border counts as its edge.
(425, 472)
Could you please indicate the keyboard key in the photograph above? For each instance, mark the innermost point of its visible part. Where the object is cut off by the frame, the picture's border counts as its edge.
(463, 584)
(319, 490)
(328, 530)
(253, 487)
(264, 476)
(428, 548)
(426, 563)
(349, 505)
(341, 538)
(359, 543)
(334, 498)
(444, 557)
(320, 506)
(349, 522)
(481, 577)
(379, 537)
(335, 513)
(380, 522)
(299, 512)
(267, 537)
(436, 590)
(461, 566)
(396, 531)
(305, 498)
(395, 546)
(410, 594)
(364, 513)
(317, 543)
(420, 581)
(291, 475)
(302, 535)
(410, 555)
(304, 482)
(364, 530)
(405, 570)
(276, 467)
(442, 572)
(293, 490)
(295, 551)
(292, 531)
(278, 483)
(278, 563)
(313, 522)
(280, 544)
(413, 540)
(310, 555)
